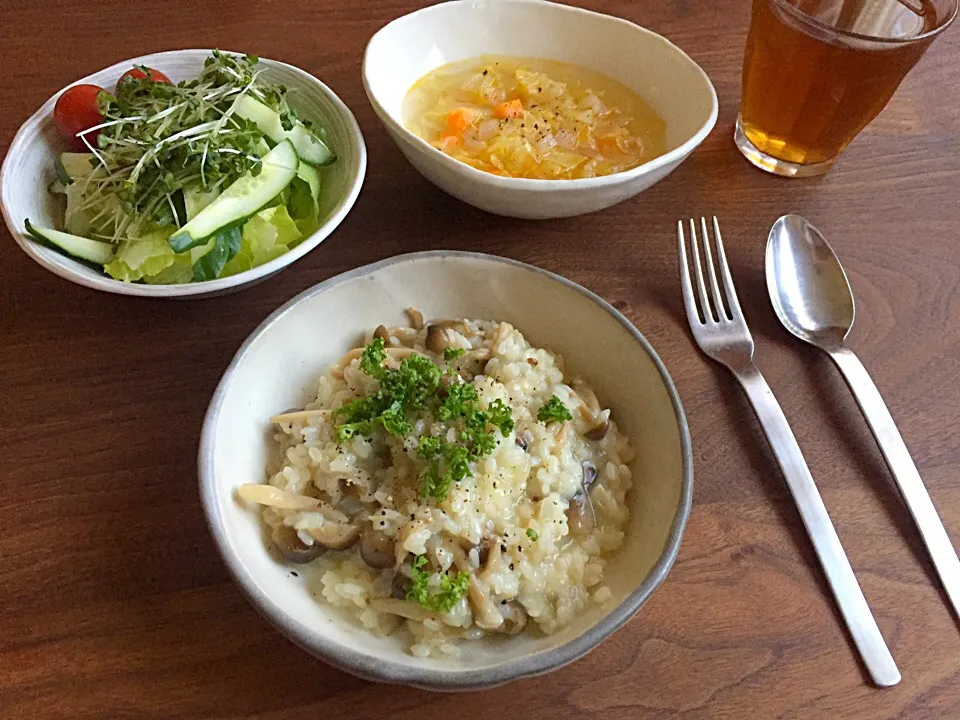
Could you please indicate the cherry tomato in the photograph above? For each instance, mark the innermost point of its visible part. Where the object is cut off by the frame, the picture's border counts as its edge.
(139, 74)
(75, 111)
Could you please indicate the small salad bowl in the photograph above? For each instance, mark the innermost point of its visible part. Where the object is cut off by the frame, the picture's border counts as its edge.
(661, 73)
(28, 170)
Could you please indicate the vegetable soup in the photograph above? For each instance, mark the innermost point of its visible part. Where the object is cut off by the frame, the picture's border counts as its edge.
(533, 118)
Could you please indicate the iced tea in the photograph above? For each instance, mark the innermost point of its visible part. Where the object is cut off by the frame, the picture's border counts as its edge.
(816, 72)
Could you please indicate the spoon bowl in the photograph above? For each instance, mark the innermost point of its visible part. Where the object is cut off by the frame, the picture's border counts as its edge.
(808, 287)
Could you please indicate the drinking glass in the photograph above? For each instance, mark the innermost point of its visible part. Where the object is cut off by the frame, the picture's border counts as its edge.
(816, 72)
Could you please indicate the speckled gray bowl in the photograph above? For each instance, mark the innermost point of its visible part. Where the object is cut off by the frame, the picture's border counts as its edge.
(278, 367)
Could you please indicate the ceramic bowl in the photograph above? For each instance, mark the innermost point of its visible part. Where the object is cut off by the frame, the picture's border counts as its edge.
(278, 367)
(660, 72)
(28, 171)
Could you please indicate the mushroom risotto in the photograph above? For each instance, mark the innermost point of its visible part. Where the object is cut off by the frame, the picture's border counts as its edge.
(449, 478)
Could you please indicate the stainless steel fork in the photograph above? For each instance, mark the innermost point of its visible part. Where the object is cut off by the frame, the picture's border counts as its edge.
(721, 332)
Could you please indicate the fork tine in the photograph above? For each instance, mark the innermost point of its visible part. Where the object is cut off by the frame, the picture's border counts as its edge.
(732, 302)
(714, 286)
(686, 286)
(701, 285)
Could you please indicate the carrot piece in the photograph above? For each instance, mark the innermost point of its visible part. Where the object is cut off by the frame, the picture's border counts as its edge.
(458, 120)
(508, 109)
(610, 145)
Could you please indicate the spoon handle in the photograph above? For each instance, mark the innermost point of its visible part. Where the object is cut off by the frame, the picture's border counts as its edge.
(904, 472)
(846, 590)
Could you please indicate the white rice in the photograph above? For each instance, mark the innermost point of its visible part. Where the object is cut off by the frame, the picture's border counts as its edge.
(515, 494)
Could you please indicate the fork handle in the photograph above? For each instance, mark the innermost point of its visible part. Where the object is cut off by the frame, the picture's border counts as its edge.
(853, 606)
(904, 471)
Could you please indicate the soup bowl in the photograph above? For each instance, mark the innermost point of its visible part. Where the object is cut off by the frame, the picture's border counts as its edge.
(675, 87)
(279, 366)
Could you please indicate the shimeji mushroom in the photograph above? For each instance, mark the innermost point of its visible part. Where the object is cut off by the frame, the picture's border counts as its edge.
(580, 515)
(335, 535)
(377, 549)
(591, 411)
(294, 549)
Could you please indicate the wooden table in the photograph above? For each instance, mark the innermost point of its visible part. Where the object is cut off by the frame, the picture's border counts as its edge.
(113, 602)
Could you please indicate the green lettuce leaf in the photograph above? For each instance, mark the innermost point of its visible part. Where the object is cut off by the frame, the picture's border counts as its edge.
(267, 235)
(181, 271)
(142, 256)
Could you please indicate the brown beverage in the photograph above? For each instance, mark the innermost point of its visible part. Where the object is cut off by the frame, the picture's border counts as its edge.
(817, 71)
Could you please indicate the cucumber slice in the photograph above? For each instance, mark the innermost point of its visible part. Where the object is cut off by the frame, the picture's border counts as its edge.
(73, 166)
(245, 197)
(310, 148)
(92, 251)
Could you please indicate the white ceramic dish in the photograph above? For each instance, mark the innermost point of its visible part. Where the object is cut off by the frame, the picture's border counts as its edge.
(660, 72)
(278, 367)
(28, 170)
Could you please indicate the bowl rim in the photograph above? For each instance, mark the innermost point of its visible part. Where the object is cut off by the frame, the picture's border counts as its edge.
(467, 171)
(107, 284)
(388, 671)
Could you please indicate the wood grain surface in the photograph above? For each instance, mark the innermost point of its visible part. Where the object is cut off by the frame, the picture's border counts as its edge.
(113, 602)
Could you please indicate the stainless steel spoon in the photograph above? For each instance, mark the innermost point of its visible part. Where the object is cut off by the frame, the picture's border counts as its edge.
(812, 297)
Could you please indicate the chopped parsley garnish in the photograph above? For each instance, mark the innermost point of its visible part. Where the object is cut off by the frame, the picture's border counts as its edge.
(553, 411)
(393, 420)
(532, 534)
(429, 447)
(440, 598)
(413, 391)
(450, 465)
(401, 392)
(452, 353)
(414, 384)
(499, 413)
(461, 399)
(371, 361)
